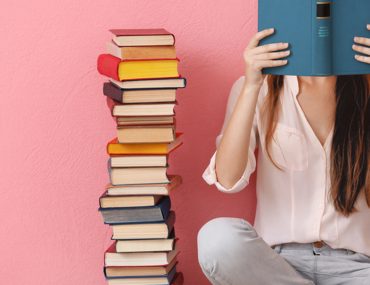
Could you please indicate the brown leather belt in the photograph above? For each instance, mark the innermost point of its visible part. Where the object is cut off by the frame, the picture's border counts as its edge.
(318, 244)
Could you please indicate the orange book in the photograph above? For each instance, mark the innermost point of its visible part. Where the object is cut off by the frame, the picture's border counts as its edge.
(116, 148)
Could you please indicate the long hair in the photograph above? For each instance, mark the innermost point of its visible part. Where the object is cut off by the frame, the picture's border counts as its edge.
(350, 150)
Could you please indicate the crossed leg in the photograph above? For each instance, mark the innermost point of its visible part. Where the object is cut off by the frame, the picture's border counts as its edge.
(230, 252)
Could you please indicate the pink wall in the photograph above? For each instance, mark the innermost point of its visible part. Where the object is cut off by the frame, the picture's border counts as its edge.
(54, 125)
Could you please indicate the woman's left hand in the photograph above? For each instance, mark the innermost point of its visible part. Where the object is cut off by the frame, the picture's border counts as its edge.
(363, 48)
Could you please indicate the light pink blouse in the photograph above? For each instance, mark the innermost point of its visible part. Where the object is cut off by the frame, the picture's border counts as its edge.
(294, 205)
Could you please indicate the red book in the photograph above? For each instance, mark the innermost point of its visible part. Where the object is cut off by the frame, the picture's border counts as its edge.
(108, 65)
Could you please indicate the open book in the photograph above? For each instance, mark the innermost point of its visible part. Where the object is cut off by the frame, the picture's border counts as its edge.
(320, 35)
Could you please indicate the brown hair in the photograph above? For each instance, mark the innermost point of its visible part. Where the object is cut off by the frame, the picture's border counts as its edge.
(350, 150)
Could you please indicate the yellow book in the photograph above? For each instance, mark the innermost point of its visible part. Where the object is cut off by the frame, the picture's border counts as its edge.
(116, 148)
(135, 69)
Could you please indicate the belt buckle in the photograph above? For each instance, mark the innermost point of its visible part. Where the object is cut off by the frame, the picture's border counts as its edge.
(318, 244)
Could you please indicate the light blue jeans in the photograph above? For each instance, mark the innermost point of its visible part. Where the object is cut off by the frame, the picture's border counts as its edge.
(230, 252)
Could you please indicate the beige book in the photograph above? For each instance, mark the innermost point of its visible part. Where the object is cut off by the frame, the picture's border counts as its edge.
(146, 134)
(138, 160)
(150, 83)
(143, 52)
(155, 120)
(128, 201)
(135, 175)
(141, 245)
(140, 258)
(145, 189)
(118, 271)
(159, 109)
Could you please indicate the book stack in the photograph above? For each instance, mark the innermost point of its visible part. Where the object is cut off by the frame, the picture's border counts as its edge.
(141, 67)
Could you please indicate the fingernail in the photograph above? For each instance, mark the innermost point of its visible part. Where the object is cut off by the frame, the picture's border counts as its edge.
(355, 38)
(271, 29)
(368, 26)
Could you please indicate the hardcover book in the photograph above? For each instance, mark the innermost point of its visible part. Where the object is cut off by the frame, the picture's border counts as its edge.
(145, 110)
(123, 201)
(147, 214)
(320, 35)
(148, 120)
(146, 134)
(113, 258)
(131, 271)
(128, 271)
(138, 96)
(137, 175)
(145, 230)
(141, 52)
(145, 189)
(144, 280)
(138, 160)
(144, 245)
(120, 70)
(116, 148)
(153, 83)
(142, 37)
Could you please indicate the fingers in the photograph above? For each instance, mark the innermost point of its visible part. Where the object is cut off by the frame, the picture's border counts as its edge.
(259, 64)
(272, 55)
(259, 36)
(362, 58)
(269, 55)
(269, 48)
(361, 49)
(362, 40)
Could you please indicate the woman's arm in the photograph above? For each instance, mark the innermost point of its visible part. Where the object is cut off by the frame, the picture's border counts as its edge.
(209, 175)
(231, 155)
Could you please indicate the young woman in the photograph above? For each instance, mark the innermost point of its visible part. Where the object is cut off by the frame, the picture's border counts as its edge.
(312, 223)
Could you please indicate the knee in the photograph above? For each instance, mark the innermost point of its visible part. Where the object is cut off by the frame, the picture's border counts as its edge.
(222, 237)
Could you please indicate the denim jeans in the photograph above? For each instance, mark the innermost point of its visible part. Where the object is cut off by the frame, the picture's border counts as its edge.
(230, 252)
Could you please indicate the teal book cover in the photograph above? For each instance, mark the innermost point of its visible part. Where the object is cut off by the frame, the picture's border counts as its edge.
(320, 35)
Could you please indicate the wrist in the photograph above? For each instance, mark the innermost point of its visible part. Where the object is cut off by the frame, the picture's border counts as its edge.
(252, 87)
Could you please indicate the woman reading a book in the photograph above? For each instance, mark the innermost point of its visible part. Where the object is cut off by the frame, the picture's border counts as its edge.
(312, 223)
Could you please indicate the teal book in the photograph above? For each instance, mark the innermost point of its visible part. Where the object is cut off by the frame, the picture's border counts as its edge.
(320, 35)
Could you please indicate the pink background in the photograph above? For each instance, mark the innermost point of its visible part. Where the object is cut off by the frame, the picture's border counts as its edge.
(54, 126)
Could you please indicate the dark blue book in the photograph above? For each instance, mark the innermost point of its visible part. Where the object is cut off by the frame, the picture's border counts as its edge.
(129, 215)
(149, 230)
(320, 35)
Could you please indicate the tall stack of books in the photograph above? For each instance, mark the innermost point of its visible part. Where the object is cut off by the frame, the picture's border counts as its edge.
(142, 71)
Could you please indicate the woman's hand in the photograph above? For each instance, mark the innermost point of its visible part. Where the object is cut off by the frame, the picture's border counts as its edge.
(257, 57)
(364, 48)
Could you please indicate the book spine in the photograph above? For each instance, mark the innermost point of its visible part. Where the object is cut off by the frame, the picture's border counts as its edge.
(111, 104)
(109, 168)
(165, 206)
(170, 222)
(113, 92)
(108, 65)
(321, 37)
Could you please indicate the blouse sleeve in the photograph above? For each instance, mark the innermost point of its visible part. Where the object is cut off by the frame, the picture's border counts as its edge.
(209, 174)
